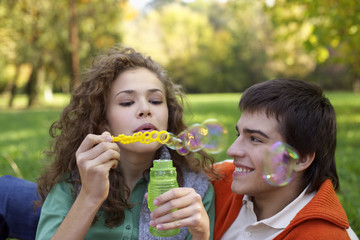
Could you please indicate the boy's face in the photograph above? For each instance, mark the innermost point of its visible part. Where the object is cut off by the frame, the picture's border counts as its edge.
(257, 133)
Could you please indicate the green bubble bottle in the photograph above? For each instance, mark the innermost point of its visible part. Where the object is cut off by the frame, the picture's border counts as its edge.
(162, 179)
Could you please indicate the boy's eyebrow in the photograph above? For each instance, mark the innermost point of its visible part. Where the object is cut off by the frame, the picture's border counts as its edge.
(251, 131)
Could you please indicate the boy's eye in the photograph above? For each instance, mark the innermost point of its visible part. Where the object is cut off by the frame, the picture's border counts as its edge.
(255, 139)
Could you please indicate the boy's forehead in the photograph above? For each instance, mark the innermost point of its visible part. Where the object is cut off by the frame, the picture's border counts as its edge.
(258, 120)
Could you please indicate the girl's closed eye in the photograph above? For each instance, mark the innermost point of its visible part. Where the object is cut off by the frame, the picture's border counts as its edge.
(156, 101)
(156, 98)
(126, 103)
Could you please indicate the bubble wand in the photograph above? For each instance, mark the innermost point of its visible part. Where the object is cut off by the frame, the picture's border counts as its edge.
(209, 135)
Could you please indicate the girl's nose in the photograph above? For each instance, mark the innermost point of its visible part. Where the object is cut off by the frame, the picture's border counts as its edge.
(144, 114)
(144, 111)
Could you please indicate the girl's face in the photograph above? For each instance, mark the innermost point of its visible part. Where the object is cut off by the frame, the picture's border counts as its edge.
(257, 133)
(137, 103)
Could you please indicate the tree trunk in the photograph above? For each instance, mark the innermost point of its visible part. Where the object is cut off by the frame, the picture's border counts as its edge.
(74, 45)
(12, 87)
(31, 88)
(356, 84)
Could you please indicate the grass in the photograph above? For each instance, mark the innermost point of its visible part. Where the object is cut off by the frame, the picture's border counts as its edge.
(24, 136)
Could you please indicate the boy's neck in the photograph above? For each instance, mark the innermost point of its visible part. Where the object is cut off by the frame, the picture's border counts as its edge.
(269, 205)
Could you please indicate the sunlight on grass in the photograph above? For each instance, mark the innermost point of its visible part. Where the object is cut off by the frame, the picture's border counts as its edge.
(20, 101)
(13, 165)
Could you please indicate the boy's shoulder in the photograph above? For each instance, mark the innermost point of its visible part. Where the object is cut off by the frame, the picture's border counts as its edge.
(225, 166)
(225, 170)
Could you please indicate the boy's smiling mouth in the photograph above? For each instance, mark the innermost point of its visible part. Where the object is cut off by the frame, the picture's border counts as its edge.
(243, 170)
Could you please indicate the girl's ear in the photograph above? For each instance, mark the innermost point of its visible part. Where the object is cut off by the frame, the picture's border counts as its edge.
(105, 127)
(304, 162)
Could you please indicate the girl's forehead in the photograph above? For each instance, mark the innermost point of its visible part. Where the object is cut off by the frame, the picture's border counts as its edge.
(134, 79)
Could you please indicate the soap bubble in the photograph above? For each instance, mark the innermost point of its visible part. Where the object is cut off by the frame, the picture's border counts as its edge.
(216, 136)
(209, 136)
(279, 164)
(195, 137)
(177, 143)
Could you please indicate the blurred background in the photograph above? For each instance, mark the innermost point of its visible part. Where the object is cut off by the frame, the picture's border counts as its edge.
(207, 45)
(214, 48)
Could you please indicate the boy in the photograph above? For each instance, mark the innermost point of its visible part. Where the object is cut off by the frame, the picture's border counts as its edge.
(296, 113)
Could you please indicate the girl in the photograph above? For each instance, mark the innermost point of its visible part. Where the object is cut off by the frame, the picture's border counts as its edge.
(95, 188)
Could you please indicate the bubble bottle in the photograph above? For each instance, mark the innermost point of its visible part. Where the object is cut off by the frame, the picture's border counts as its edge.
(162, 179)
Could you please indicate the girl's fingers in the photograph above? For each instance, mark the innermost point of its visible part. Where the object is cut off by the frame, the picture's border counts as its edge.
(103, 157)
(189, 211)
(176, 198)
(100, 152)
(172, 194)
(189, 216)
(108, 165)
(91, 140)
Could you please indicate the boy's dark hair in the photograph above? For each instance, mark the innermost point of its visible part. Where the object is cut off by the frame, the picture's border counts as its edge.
(306, 120)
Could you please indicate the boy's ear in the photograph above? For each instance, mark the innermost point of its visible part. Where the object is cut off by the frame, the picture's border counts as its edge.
(304, 162)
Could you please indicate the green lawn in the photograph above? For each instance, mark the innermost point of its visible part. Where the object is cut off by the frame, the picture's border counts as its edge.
(24, 135)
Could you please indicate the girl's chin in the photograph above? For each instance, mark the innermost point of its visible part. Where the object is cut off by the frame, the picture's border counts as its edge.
(141, 147)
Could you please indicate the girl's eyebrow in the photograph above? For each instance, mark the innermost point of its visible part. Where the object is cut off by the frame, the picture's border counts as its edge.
(125, 91)
(132, 91)
(155, 90)
(251, 131)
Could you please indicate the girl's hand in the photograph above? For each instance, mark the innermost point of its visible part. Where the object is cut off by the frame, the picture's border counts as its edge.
(95, 157)
(190, 212)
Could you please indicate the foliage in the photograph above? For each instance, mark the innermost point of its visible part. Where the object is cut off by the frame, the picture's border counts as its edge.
(38, 35)
(24, 136)
(207, 46)
(332, 34)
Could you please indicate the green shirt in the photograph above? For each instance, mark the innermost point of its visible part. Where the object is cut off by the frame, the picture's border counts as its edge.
(60, 200)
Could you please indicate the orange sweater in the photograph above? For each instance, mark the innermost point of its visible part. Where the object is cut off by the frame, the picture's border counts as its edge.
(322, 218)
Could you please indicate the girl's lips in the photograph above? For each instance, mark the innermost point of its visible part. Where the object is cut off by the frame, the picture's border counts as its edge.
(145, 127)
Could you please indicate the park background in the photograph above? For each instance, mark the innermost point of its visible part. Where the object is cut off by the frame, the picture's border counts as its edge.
(214, 49)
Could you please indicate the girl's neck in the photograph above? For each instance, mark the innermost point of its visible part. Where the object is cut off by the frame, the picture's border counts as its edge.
(133, 166)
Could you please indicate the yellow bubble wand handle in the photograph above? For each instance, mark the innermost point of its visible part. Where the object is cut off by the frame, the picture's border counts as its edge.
(144, 137)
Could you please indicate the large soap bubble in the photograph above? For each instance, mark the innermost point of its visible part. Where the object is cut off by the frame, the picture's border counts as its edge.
(209, 136)
(279, 164)
(216, 136)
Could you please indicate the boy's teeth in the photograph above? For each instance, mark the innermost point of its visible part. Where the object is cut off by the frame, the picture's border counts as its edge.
(237, 169)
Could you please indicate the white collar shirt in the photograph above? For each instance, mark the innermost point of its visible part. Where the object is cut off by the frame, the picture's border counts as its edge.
(246, 225)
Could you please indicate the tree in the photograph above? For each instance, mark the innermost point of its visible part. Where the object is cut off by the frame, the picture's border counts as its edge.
(333, 36)
(39, 35)
(74, 44)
